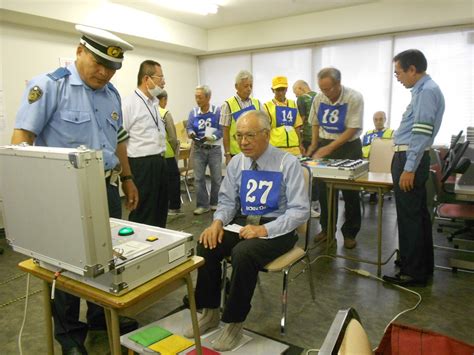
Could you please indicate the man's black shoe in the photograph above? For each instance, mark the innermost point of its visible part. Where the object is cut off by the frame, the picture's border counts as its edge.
(75, 351)
(127, 325)
(404, 280)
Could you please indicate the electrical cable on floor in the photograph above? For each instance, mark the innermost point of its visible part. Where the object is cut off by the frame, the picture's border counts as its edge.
(15, 277)
(369, 275)
(24, 314)
(19, 299)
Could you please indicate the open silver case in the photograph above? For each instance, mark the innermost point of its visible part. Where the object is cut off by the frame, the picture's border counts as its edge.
(55, 211)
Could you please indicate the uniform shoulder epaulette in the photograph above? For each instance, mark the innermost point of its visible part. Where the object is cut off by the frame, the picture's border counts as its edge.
(59, 73)
(114, 89)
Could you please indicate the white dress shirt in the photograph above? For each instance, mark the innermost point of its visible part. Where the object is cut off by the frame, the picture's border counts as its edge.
(142, 120)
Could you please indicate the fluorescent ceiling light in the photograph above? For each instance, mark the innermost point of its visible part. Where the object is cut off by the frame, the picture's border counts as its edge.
(201, 7)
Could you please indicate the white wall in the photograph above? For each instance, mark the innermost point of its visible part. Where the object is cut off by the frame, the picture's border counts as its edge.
(383, 16)
(29, 51)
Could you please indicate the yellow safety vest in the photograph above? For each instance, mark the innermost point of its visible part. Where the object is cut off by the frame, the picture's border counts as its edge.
(387, 134)
(235, 107)
(282, 136)
(169, 152)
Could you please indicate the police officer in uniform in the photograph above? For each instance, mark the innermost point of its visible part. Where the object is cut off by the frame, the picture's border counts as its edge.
(263, 191)
(76, 106)
(410, 168)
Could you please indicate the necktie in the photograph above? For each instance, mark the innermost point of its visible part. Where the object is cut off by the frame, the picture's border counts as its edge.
(253, 219)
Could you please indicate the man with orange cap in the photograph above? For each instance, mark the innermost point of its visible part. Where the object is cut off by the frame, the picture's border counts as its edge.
(284, 118)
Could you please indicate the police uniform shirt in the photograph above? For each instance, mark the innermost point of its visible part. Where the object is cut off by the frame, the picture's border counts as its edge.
(142, 120)
(293, 202)
(354, 116)
(226, 114)
(421, 121)
(67, 113)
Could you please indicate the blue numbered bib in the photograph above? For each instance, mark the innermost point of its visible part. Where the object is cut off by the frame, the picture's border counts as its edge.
(237, 114)
(202, 121)
(332, 117)
(259, 191)
(285, 116)
(368, 138)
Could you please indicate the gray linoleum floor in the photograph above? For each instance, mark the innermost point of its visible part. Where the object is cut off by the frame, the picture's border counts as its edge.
(447, 305)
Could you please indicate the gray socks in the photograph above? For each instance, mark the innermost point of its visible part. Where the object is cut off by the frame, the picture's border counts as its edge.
(229, 337)
(209, 319)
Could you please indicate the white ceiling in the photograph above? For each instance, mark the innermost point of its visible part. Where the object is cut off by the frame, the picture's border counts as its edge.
(235, 12)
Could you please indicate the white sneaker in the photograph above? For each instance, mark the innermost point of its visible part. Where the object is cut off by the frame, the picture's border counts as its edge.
(213, 207)
(315, 214)
(201, 210)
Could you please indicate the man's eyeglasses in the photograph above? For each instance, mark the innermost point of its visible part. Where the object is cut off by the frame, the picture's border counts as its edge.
(249, 137)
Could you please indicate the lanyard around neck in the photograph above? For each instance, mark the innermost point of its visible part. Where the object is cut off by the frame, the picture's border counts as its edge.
(155, 119)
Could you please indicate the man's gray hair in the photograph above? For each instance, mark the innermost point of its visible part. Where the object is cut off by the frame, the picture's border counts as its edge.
(206, 89)
(162, 95)
(263, 118)
(242, 75)
(330, 72)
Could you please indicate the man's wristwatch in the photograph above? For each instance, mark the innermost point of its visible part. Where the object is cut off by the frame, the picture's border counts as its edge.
(227, 154)
(126, 177)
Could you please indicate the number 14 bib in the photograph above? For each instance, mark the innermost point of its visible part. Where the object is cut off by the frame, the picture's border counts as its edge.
(259, 191)
(332, 117)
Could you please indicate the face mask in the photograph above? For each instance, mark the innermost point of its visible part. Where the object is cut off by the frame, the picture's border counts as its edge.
(155, 91)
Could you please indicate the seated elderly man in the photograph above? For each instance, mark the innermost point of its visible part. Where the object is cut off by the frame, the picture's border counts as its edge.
(263, 191)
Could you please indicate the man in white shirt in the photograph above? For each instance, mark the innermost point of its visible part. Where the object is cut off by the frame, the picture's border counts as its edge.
(147, 145)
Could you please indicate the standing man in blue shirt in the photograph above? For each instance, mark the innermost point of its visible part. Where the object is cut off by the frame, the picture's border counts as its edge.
(76, 106)
(203, 127)
(264, 192)
(410, 168)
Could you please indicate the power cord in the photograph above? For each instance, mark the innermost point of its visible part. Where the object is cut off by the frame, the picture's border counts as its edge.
(369, 275)
(24, 313)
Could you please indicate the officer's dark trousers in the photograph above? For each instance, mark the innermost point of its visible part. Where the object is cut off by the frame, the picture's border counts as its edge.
(150, 175)
(68, 330)
(351, 226)
(248, 257)
(174, 184)
(414, 224)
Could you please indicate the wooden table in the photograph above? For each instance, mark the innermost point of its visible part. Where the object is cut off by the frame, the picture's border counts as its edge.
(129, 304)
(380, 183)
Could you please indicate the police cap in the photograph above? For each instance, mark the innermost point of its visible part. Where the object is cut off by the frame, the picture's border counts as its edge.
(106, 47)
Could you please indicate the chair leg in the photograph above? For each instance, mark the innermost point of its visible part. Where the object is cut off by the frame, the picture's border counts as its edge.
(187, 189)
(310, 275)
(284, 301)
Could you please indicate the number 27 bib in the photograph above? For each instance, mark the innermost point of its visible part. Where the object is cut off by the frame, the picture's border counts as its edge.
(259, 191)
(332, 117)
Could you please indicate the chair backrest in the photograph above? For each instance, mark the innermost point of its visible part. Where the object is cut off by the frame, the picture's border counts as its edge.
(305, 228)
(181, 132)
(381, 153)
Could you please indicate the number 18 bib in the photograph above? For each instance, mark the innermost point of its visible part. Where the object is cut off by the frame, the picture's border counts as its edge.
(332, 117)
(259, 191)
